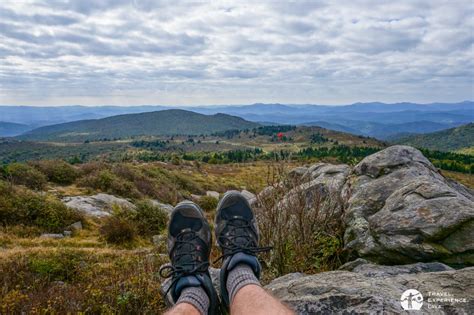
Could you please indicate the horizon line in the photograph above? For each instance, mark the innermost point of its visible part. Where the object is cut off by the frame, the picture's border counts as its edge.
(231, 105)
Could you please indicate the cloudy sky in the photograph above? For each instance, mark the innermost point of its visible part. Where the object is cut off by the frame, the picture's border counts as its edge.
(160, 52)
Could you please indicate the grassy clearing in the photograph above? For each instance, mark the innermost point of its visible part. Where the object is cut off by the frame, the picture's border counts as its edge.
(468, 151)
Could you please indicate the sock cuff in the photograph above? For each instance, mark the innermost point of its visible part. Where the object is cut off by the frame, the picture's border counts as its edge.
(239, 277)
(197, 297)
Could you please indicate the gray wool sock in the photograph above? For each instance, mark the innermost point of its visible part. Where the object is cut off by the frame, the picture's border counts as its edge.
(197, 297)
(238, 278)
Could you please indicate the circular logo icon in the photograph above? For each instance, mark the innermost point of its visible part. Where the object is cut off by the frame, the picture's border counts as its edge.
(411, 300)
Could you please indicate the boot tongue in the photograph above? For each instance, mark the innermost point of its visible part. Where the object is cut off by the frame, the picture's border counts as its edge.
(240, 225)
(186, 250)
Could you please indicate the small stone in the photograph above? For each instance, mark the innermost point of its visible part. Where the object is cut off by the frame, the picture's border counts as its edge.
(195, 197)
(213, 194)
(67, 233)
(76, 225)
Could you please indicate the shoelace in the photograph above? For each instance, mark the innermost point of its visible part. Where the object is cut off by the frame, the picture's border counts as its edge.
(179, 270)
(241, 226)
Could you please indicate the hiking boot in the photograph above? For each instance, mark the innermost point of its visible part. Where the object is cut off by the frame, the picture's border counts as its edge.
(237, 236)
(189, 246)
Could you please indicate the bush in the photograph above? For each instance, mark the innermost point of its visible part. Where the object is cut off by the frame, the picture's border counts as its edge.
(59, 266)
(118, 230)
(150, 219)
(305, 229)
(57, 171)
(208, 203)
(22, 206)
(23, 174)
(106, 181)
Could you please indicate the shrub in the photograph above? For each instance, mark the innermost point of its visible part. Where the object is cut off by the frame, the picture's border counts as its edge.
(107, 181)
(305, 228)
(23, 174)
(59, 266)
(208, 203)
(22, 206)
(57, 171)
(118, 230)
(149, 219)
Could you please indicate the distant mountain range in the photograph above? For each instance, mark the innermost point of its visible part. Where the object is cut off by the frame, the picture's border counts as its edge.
(380, 120)
(453, 139)
(166, 122)
(8, 129)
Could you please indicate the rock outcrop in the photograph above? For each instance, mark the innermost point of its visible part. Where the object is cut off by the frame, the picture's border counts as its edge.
(401, 210)
(99, 205)
(373, 289)
(398, 208)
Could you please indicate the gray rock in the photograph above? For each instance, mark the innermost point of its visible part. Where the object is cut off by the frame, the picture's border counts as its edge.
(332, 176)
(166, 207)
(99, 205)
(321, 182)
(52, 235)
(195, 197)
(251, 198)
(401, 210)
(213, 194)
(371, 270)
(76, 225)
(347, 292)
(67, 233)
(297, 173)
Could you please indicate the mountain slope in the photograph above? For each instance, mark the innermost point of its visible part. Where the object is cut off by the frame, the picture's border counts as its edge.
(166, 122)
(8, 129)
(445, 140)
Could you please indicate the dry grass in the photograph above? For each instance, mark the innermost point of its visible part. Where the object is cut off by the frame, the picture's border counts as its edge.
(79, 274)
(303, 226)
(465, 179)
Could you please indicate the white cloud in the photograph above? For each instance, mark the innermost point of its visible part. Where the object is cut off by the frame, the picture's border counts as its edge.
(160, 52)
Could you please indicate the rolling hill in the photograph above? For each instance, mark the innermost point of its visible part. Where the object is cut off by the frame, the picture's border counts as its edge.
(8, 129)
(165, 122)
(374, 119)
(453, 139)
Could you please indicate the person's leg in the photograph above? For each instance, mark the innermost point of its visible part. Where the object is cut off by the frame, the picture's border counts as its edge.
(253, 299)
(237, 235)
(189, 246)
(183, 309)
(192, 301)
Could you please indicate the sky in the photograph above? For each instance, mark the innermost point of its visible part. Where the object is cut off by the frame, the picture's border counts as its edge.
(136, 52)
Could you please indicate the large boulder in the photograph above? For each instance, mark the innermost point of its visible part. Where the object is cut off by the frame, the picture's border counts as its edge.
(371, 289)
(99, 205)
(400, 209)
(317, 183)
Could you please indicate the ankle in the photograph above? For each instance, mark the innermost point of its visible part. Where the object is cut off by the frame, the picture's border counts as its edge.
(197, 297)
(240, 276)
